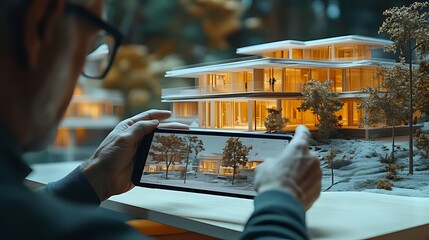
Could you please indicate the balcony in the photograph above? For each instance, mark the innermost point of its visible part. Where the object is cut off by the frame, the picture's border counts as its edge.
(229, 90)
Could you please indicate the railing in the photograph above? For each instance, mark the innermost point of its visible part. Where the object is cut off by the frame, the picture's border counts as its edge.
(201, 90)
(227, 88)
(218, 62)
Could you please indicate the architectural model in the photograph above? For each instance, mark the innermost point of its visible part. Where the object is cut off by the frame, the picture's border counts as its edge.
(235, 94)
(93, 112)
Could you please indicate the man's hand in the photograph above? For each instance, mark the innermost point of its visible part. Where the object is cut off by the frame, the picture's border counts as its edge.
(109, 170)
(296, 170)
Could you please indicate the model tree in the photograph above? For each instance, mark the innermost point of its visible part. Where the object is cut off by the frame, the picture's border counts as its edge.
(407, 27)
(422, 143)
(274, 121)
(422, 88)
(319, 98)
(389, 101)
(193, 145)
(235, 153)
(168, 149)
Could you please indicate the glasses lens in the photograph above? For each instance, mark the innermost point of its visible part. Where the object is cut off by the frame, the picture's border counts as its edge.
(100, 56)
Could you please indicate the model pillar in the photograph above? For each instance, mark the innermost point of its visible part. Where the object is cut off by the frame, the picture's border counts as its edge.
(250, 107)
(258, 79)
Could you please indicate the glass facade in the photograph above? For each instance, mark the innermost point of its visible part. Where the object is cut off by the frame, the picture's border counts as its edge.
(295, 79)
(326, 53)
(358, 78)
(290, 110)
(249, 114)
(185, 109)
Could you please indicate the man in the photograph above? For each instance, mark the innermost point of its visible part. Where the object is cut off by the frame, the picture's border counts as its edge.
(43, 46)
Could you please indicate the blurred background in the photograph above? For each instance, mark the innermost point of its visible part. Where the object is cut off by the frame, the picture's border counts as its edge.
(161, 35)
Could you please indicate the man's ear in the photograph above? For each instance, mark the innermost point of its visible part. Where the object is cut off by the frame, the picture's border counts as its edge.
(39, 25)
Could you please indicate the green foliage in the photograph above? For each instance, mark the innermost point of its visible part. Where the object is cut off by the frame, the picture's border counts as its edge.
(274, 121)
(384, 184)
(422, 143)
(235, 153)
(319, 98)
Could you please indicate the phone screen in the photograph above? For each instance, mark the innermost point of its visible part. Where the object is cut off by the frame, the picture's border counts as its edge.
(208, 162)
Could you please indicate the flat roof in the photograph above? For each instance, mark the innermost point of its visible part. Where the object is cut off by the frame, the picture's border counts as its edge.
(286, 44)
(249, 65)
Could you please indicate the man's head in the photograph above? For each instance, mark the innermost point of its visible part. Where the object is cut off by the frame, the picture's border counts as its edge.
(43, 48)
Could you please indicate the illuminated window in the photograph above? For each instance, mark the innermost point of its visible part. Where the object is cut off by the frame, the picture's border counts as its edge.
(185, 109)
(297, 54)
(295, 79)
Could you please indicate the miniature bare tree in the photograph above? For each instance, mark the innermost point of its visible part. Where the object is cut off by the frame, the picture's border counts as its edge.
(408, 28)
(389, 101)
(319, 98)
(168, 149)
(330, 160)
(193, 146)
(235, 153)
(274, 121)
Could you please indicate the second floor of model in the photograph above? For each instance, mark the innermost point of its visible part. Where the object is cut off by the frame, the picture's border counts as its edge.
(286, 66)
(287, 80)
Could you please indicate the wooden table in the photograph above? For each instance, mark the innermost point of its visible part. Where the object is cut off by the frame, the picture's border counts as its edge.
(336, 215)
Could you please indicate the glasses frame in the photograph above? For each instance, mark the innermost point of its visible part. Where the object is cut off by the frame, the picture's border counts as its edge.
(98, 22)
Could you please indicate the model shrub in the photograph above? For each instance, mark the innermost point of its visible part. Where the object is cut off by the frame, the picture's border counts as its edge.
(384, 184)
(275, 122)
(392, 172)
(323, 103)
(422, 143)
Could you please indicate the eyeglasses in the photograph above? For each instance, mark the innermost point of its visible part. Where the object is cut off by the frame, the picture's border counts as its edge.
(103, 49)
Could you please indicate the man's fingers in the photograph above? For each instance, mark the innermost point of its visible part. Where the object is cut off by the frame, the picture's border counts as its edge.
(136, 131)
(299, 141)
(174, 125)
(302, 132)
(311, 174)
(151, 114)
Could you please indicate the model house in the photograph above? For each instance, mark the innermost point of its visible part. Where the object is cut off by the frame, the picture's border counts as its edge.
(235, 94)
(92, 113)
(212, 163)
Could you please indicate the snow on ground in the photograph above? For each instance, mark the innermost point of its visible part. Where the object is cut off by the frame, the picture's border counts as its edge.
(359, 167)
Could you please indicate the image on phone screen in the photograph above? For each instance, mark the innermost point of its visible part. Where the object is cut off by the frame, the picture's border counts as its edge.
(213, 162)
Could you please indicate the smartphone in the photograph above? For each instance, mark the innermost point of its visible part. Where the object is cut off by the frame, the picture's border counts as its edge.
(204, 161)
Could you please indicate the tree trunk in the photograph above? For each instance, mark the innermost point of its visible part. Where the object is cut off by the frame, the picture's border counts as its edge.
(233, 175)
(411, 162)
(393, 141)
(166, 170)
(186, 168)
